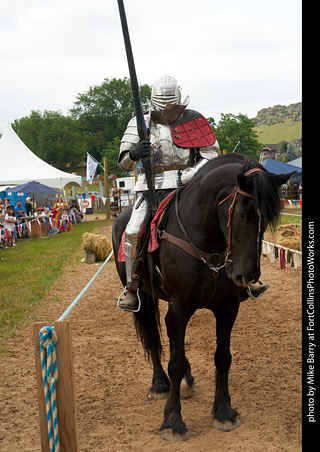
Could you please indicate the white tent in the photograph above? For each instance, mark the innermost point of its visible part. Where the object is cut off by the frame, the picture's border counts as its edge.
(19, 165)
(296, 162)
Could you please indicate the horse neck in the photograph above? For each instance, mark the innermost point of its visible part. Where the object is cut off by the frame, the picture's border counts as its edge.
(200, 208)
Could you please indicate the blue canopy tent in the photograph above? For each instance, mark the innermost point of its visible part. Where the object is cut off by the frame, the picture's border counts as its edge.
(34, 187)
(276, 167)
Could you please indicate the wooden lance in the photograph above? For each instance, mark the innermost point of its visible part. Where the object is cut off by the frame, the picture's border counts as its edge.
(141, 125)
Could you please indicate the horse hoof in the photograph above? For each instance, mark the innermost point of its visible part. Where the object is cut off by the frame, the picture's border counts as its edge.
(169, 435)
(186, 391)
(158, 395)
(227, 425)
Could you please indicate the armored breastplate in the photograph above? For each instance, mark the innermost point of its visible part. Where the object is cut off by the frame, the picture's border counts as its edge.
(165, 151)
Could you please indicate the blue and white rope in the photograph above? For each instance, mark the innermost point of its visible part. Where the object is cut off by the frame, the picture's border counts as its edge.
(64, 315)
(48, 339)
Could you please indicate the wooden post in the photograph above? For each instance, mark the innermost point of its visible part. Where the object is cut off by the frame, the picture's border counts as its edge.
(106, 187)
(66, 397)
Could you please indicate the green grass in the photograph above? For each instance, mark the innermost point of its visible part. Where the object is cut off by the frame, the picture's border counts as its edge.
(286, 131)
(294, 217)
(29, 269)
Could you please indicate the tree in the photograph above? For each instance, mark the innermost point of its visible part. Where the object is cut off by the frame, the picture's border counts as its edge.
(54, 138)
(112, 153)
(291, 153)
(231, 129)
(104, 111)
(28, 129)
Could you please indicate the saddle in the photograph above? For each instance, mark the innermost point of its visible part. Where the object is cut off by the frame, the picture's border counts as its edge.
(149, 242)
(155, 230)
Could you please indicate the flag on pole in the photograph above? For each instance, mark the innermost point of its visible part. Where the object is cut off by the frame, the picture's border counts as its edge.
(91, 168)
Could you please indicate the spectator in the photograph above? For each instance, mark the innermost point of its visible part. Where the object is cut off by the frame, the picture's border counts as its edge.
(115, 192)
(65, 218)
(57, 210)
(10, 219)
(75, 211)
(19, 212)
(2, 230)
(300, 190)
(34, 204)
(59, 205)
(6, 204)
(29, 207)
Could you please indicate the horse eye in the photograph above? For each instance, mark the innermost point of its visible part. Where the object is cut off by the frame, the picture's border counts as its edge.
(241, 214)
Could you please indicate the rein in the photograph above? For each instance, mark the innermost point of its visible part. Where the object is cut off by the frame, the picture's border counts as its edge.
(189, 247)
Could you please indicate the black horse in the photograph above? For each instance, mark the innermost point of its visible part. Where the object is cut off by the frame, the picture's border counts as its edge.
(224, 211)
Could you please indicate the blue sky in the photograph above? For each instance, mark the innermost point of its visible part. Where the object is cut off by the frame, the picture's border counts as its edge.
(229, 56)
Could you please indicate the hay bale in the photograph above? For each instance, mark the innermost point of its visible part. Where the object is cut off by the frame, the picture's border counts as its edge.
(289, 236)
(97, 244)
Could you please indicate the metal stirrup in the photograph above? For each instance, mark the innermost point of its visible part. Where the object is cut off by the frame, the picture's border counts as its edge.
(130, 310)
(250, 294)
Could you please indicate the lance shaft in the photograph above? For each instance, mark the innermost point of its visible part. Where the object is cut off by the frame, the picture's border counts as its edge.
(141, 125)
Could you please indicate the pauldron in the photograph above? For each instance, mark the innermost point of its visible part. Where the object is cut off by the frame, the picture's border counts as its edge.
(192, 130)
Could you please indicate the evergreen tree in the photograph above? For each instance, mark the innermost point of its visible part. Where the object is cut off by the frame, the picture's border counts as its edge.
(291, 153)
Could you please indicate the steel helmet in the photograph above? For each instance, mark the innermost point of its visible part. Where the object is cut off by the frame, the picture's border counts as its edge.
(165, 90)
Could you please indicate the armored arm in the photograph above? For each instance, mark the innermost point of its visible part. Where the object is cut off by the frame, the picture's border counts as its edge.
(210, 152)
(129, 142)
(206, 153)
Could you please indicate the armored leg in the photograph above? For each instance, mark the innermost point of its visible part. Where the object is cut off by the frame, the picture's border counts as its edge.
(133, 236)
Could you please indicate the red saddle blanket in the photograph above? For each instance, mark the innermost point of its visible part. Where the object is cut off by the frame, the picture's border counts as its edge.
(153, 240)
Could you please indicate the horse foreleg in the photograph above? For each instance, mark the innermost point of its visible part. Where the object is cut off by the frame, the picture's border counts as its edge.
(187, 386)
(173, 427)
(147, 326)
(225, 418)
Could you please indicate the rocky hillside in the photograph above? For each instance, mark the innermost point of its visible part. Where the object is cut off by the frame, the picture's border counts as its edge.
(279, 114)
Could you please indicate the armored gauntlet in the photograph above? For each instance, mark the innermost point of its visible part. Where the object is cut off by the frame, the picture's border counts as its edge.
(141, 150)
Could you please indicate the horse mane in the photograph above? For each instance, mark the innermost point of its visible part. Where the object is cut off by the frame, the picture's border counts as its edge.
(263, 185)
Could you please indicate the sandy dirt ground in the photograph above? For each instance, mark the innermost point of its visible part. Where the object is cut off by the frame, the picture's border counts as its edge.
(113, 377)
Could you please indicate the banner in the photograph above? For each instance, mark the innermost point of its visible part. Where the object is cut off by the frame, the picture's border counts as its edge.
(91, 168)
(85, 204)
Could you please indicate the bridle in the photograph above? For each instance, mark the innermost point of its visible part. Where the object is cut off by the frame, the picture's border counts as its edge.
(220, 260)
(233, 195)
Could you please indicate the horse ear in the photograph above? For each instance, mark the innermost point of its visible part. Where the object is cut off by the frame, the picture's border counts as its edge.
(241, 180)
(283, 178)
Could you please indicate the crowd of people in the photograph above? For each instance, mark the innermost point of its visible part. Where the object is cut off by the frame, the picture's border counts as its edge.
(61, 216)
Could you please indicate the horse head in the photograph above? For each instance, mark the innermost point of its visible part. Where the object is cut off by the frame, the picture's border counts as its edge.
(253, 205)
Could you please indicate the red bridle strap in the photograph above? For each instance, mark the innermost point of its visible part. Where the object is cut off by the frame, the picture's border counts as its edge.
(234, 194)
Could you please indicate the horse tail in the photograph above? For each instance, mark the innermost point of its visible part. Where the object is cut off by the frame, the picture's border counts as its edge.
(148, 327)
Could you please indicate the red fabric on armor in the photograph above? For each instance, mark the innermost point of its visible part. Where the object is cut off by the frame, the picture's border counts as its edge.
(121, 255)
(194, 133)
(153, 241)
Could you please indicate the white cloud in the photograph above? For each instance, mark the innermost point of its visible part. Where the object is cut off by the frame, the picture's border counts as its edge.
(229, 56)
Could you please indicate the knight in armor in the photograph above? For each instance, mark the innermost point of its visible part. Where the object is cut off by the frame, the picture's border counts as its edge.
(176, 158)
